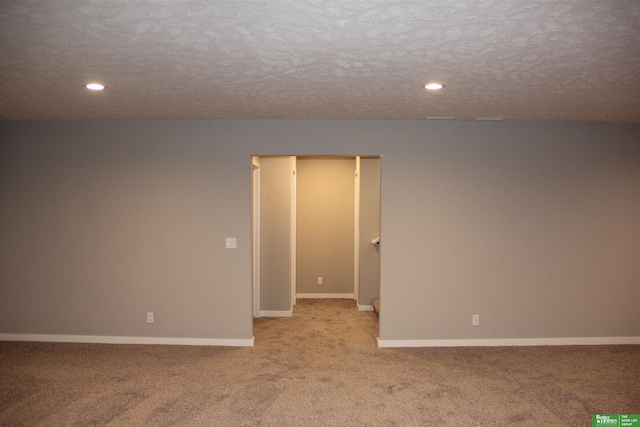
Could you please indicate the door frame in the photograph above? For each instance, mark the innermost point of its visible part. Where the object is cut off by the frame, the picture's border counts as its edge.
(255, 209)
(292, 245)
(255, 232)
(356, 231)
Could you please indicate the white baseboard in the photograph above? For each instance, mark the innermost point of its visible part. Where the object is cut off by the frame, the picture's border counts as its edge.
(509, 342)
(98, 339)
(318, 296)
(272, 313)
(365, 307)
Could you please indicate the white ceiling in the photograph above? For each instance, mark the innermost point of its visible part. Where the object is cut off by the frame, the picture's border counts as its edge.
(525, 60)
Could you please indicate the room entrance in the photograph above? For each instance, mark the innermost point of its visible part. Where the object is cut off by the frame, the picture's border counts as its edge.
(316, 229)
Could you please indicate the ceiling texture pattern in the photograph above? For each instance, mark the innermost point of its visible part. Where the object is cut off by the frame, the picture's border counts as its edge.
(524, 60)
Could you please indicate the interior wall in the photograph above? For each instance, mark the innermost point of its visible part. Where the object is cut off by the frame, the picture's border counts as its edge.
(325, 225)
(275, 233)
(529, 226)
(533, 226)
(369, 266)
(102, 222)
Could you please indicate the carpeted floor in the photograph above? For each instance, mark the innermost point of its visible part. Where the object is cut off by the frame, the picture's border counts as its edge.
(320, 367)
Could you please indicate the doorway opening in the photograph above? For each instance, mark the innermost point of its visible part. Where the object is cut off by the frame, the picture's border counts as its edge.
(315, 231)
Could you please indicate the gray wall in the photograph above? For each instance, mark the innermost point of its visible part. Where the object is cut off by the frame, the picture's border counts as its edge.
(533, 226)
(369, 267)
(102, 222)
(325, 225)
(276, 174)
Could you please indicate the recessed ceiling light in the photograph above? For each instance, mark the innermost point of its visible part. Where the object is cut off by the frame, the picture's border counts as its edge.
(95, 86)
(433, 86)
(441, 117)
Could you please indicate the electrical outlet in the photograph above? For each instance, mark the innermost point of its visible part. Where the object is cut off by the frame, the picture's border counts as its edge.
(150, 317)
(319, 280)
(475, 320)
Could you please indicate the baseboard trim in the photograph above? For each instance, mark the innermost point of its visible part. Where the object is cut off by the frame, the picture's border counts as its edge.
(510, 342)
(320, 296)
(365, 307)
(274, 313)
(99, 339)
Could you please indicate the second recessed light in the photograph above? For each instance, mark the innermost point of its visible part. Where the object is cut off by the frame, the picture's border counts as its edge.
(433, 86)
(95, 86)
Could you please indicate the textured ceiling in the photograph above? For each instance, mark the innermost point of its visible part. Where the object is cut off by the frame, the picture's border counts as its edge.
(525, 60)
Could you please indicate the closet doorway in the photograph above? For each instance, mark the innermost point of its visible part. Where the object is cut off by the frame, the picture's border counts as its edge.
(315, 230)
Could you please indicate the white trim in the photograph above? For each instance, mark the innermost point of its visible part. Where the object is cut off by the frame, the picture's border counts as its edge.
(99, 339)
(294, 218)
(320, 296)
(255, 241)
(365, 307)
(510, 342)
(356, 231)
(276, 313)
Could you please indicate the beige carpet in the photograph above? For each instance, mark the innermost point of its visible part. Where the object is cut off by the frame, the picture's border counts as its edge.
(319, 368)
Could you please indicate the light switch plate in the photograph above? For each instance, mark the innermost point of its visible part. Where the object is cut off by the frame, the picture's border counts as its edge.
(231, 243)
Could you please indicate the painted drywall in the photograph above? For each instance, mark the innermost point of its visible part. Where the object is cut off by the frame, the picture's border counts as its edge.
(369, 266)
(104, 222)
(533, 226)
(325, 225)
(276, 174)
